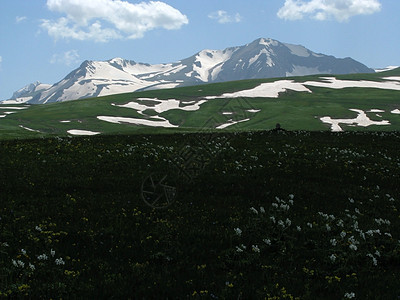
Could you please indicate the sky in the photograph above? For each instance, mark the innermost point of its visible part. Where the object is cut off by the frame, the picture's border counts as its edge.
(44, 40)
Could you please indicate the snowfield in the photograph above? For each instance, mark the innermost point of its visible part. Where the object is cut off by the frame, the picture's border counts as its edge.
(361, 120)
(82, 132)
(120, 120)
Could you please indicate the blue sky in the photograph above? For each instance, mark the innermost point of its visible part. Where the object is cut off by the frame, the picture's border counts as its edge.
(46, 39)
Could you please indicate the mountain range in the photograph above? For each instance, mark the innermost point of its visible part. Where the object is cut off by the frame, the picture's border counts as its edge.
(263, 58)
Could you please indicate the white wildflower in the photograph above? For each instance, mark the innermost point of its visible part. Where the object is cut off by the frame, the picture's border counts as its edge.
(333, 242)
(20, 263)
(353, 247)
(343, 234)
(238, 231)
(254, 210)
(388, 234)
(377, 253)
(340, 223)
(267, 241)
(284, 206)
(298, 228)
(42, 257)
(238, 249)
(59, 261)
(288, 222)
(52, 252)
(23, 251)
(275, 205)
(272, 218)
(349, 295)
(309, 224)
(255, 248)
(333, 257)
(351, 200)
(14, 262)
(38, 228)
(291, 202)
(262, 210)
(32, 267)
(328, 228)
(291, 196)
(280, 223)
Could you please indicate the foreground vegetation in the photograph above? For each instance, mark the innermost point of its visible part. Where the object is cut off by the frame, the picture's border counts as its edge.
(267, 214)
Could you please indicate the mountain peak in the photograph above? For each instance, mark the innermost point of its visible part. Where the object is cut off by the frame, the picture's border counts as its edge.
(262, 58)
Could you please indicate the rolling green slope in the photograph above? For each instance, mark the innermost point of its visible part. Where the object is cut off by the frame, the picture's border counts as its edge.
(293, 110)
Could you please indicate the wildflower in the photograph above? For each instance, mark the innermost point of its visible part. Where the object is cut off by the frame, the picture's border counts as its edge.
(288, 222)
(52, 252)
(255, 248)
(238, 231)
(291, 196)
(254, 210)
(285, 206)
(275, 205)
(272, 218)
(388, 234)
(351, 200)
(267, 241)
(32, 267)
(298, 228)
(343, 234)
(20, 263)
(23, 251)
(333, 257)
(333, 242)
(291, 202)
(280, 223)
(59, 261)
(377, 253)
(309, 224)
(14, 262)
(42, 257)
(349, 295)
(353, 247)
(328, 228)
(238, 249)
(38, 228)
(262, 210)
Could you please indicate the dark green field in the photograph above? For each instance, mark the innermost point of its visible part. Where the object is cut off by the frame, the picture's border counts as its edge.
(251, 215)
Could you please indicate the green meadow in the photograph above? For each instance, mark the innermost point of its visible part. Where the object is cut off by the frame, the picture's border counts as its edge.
(293, 110)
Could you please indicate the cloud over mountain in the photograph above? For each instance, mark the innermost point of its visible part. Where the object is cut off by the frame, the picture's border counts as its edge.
(105, 20)
(341, 10)
(224, 17)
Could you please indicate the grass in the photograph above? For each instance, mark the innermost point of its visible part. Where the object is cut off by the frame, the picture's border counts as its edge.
(257, 214)
(293, 110)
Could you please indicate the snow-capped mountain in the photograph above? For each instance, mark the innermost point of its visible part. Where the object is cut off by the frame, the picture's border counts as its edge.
(263, 58)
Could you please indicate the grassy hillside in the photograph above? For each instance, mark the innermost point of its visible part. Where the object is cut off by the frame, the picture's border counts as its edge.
(251, 215)
(293, 110)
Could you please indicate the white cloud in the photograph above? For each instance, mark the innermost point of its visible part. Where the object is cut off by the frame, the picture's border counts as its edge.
(223, 17)
(104, 20)
(68, 58)
(341, 10)
(20, 19)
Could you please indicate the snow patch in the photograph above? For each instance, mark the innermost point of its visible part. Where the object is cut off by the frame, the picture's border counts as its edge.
(13, 107)
(266, 90)
(333, 83)
(396, 111)
(374, 110)
(396, 78)
(389, 68)
(162, 106)
(230, 123)
(29, 129)
(253, 110)
(361, 120)
(120, 120)
(82, 132)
